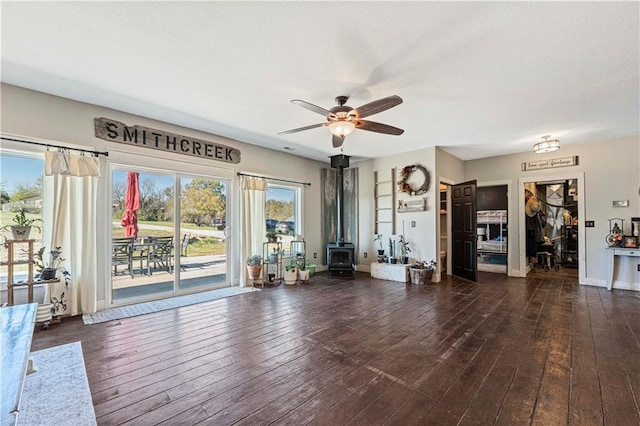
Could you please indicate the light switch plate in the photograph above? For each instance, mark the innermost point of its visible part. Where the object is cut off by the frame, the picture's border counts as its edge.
(589, 223)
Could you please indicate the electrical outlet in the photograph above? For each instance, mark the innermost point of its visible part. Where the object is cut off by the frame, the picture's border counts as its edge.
(413, 223)
(365, 254)
(315, 255)
(589, 223)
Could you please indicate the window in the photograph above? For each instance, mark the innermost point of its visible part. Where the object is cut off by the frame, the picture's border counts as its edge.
(283, 212)
(21, 189)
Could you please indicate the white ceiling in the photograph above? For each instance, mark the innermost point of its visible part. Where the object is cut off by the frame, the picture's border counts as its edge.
(478, 78)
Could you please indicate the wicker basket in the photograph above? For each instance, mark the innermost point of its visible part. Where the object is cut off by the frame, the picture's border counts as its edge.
(420, 276)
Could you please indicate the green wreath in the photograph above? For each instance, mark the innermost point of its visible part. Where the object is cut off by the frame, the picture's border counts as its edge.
(406, 173)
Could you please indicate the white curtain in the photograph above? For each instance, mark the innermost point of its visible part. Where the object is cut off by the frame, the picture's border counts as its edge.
(253, 221)
(69, 214)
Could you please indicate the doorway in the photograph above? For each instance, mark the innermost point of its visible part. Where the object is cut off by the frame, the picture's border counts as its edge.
(492, 228)
(178, 243)
(552, 231)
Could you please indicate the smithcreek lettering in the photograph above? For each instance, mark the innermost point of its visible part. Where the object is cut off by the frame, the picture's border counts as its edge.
(137, 135)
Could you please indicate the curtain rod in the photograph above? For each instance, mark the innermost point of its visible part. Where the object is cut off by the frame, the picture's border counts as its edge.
(279, 180)
(48, 145)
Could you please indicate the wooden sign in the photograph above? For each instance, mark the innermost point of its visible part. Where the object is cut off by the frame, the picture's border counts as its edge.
(114, 131)
(550, 164)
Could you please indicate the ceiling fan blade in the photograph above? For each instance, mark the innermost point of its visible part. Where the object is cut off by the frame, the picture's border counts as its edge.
(378, 106)
(300, 129)
(337, 141)
(314, 108)
(372, 126)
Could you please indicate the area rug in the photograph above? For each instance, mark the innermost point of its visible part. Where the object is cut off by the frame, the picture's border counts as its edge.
(58, 392)
(164, 304)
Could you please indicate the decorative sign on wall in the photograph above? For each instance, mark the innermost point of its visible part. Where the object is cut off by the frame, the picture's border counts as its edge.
(550, 164)
(114, 131)
(412, 206)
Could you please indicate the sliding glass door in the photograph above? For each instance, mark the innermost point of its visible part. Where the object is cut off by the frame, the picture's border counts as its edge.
(168, 234)
(203, 247)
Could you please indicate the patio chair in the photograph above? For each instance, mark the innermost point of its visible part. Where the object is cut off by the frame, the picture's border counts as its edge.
(160, 252)
(122, 254)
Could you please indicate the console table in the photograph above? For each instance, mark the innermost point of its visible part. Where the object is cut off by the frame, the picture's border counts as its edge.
(618, 251)
(391, 271)
(16, 330)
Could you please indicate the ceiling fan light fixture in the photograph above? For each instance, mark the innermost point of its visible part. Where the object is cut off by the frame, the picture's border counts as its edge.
(341, 127)
(546, 145)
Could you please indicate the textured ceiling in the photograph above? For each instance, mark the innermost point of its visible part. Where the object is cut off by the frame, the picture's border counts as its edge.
(478, 79)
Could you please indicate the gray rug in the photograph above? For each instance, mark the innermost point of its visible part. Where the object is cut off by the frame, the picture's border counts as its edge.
(58, 392)
(164, 304)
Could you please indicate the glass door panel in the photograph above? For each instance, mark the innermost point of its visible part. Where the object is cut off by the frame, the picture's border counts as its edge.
(203, 221)
(142, 262)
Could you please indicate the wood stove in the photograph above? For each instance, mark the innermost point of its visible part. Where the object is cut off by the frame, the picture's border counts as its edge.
(340, 254)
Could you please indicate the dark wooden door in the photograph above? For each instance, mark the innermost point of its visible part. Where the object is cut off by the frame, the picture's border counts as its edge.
(463, 224)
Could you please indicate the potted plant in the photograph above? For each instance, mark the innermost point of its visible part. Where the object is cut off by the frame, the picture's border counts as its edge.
(378, 239)
(273, 256)
(392, 251)
(422, 271)
(48, 265)
(254, 266)
(303, 267)
(291, 271)
(272, 236)
(21, 227)
(404, 250)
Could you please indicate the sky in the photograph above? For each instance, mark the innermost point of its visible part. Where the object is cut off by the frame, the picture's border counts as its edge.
(14, 170)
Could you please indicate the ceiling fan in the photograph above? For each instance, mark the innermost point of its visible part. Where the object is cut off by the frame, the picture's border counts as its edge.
(342, 119)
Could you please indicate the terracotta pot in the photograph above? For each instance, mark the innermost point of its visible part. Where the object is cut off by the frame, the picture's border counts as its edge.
(254, 271)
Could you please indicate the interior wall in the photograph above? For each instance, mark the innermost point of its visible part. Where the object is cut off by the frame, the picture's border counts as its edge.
(30, 114)
(611, 170)
(420, 237)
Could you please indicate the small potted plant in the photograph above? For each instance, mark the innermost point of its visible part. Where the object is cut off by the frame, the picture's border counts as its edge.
(48, 265)
(291, 271)
(422, 271)
(378, 239)
(303, 267)
(273, 256)
(21, 227)
(272, 236)
(404, 249)
(254, 266)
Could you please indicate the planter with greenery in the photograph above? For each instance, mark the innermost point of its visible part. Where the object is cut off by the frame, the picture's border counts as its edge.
(21, 227)
(273, 256)
(291, 272)
(404, 249)
(254, 266)
(48, 265)
(378, 239)
(303, 267)
(272, 236)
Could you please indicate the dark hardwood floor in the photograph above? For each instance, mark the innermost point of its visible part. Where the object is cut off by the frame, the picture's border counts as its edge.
(509, 351)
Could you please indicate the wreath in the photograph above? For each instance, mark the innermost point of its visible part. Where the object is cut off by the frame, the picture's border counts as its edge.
(405, 174)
